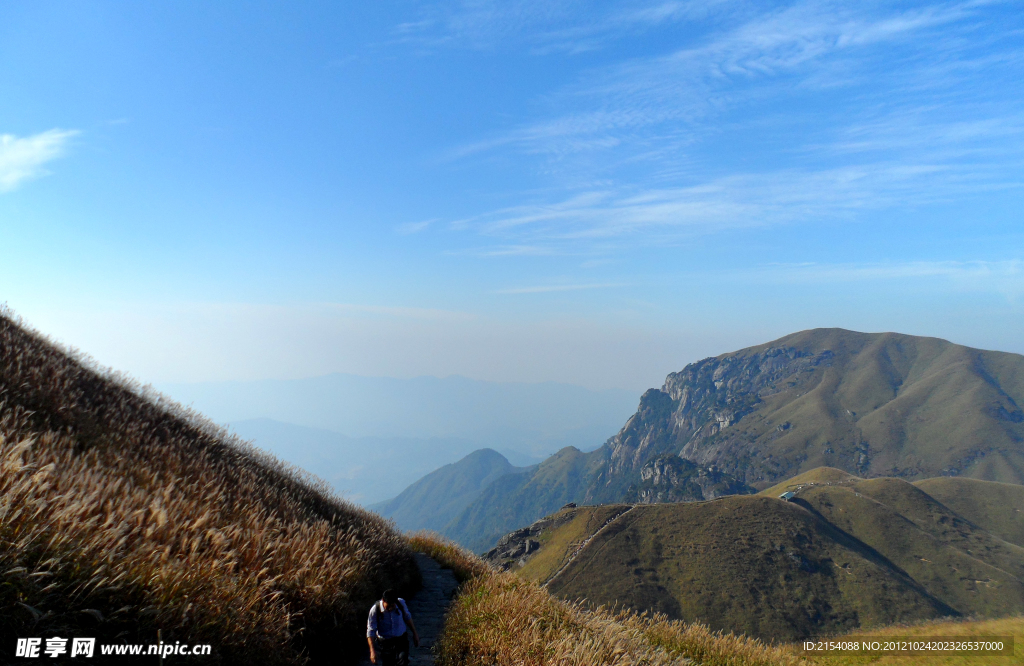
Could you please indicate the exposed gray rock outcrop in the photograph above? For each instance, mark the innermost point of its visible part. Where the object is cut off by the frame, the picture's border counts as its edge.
(669, 478)
(691, 414)
(515, 548)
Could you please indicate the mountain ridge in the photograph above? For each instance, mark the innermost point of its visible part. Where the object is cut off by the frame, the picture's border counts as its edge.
(433, 501)
(872, 404)
(842, 552)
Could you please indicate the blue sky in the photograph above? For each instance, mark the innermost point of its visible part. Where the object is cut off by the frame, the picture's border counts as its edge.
(595, 193)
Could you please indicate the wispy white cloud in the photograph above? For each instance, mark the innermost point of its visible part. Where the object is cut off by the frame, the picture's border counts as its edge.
(410, 228)
(894, 127)
(1005, 277)
(697, 85)
(546, 289)
(509, 251)
(25, 158)
(543, 27)
(1012, 269)
(651, 216)
(914, 129)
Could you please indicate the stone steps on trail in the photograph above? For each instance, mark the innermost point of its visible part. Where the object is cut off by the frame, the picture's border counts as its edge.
(428, 608)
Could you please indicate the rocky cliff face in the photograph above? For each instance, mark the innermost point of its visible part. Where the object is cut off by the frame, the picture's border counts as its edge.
(669, 478)
(715, 400)
(879, 404)
(692, 413)
(713, 394)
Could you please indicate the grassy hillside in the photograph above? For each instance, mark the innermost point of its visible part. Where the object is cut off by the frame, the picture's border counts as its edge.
(995, 507)
(433, 501)
(818, 476)
(970, 567)
(503, 620)
(122, 515)
(499, 619)
(964, 566)
(558, 546)
(846, 552)
(867, 404)
(749, 565)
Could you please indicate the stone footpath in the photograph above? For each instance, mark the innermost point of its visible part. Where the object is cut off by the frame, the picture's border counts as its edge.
(428, 608)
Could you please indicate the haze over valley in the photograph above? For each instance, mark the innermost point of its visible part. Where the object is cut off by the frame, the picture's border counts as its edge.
(370, 437)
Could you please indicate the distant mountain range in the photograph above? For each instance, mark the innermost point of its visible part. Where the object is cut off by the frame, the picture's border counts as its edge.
(436, 499)
(872, 404)
(370, 437)
(843, 553)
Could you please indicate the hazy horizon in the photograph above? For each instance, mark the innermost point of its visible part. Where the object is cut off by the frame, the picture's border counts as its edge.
(350, 429)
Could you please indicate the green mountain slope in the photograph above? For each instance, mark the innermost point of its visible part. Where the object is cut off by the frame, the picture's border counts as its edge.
(518, 499)
(433, 501)
(999, 509)
(846, 552)
(745, 564)
(817, 476)
(964, 566)
(870, 404)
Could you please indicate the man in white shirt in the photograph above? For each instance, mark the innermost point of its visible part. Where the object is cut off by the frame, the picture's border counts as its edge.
(386, 630)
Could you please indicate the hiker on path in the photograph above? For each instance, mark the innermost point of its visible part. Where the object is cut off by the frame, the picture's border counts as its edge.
(386, 630)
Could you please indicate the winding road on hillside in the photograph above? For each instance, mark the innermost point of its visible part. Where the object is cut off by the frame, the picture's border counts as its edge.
(428, 608)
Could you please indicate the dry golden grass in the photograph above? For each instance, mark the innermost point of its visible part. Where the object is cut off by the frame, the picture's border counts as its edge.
(703, 646)
(122, 515)
(960, 629)
(500, 619)
(450, 555)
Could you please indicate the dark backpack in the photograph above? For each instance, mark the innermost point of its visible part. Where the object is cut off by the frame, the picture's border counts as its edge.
(405, 611)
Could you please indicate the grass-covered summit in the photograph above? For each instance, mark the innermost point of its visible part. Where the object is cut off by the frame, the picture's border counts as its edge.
(126, 518)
